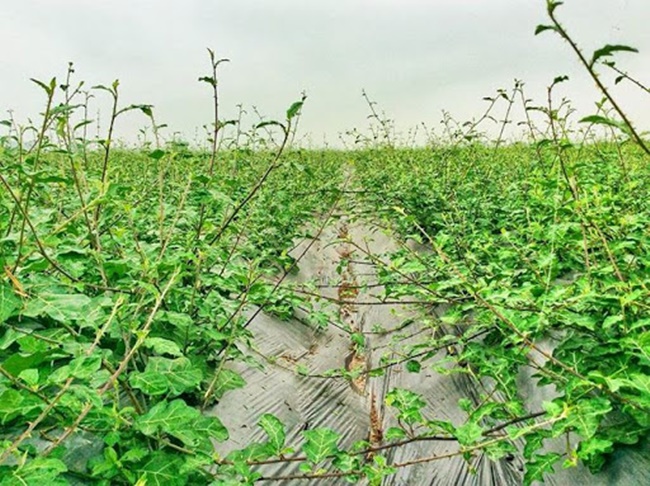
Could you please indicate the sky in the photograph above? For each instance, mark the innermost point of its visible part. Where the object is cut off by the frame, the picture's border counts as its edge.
(415, 58)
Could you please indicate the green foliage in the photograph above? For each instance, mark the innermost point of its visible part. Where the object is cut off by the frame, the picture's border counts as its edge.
(124, 302)
(130, 275)
(508, 260)
(407, 403)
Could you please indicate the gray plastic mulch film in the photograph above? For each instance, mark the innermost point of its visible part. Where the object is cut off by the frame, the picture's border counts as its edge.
(304, 402)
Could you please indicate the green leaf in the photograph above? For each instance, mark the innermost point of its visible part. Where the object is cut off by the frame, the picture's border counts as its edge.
(106, 466)
(181, 374)
(358, 339)
(560, 79)
(146, 109)
(200, 433)
(319, 444)
(135, 454)
(163, 375)
(586, 415)
(534, 442)
(469, 433)
(407, 403)
(553, 409)
(85, 366)
(163, 346)
(51, 179)
(30, 344)
(101, 87)
(551, 5)
(347, 463)
(29, 376)
(165, 417)
(226, 123)
(185, 423)
(48, 89)
(270, 123)
(608, 50)
(10, 401)
(60, 307)
(499, 450)
(601, 120)
(294, 109)
(540, 465)
(18, 362)
(153, 384)
(227, 380)
(612, 320)
(592, 452)
(465, 404)
(253, 452)
(9, 303)
(394, 433)
(157, 154)
(580, 320)
(274, 428)
(209, 80)
(542, 28)
(82, 124)
(640, 383)
(163, 470)
(10, 336)
(413, 366)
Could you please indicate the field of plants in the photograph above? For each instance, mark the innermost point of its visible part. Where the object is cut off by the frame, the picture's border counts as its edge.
(472, 311)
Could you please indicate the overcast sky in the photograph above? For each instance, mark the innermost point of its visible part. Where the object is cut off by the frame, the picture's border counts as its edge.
(414, 57)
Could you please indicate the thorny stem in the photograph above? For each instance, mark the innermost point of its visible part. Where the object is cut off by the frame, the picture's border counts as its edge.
(24, 209)
(107, 147)
(564, 34)
(560, 154)
(624, 75)
(506, 119)
(215, 97)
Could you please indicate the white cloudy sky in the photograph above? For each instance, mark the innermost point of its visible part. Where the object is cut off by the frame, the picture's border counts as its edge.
(415, 57)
